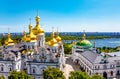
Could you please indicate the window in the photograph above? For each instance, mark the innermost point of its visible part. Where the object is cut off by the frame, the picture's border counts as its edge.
(32, 47)
(2, 69)
(97, 67)
(18, 66)
(104, 66)
(10, 69)
(112, 66)
(111, 73)
(42, 69)
(33, 70)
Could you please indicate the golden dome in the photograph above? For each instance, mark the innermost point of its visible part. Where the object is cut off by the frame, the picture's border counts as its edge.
(53, 41)
(58, 38)
(9, 41)
(24, 37)
(94, 42)
(73, 42)
(31, 37)
(37, 30)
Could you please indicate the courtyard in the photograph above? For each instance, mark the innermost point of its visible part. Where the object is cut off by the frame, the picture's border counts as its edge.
(70, 66)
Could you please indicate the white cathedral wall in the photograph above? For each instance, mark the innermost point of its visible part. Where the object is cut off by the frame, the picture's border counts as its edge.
(41, 40)
(6, 68)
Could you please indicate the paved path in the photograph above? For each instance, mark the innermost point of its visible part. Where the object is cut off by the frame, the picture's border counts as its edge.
(69, 66)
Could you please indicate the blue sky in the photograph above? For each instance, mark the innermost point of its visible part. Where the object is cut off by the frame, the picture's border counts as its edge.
(67, 15)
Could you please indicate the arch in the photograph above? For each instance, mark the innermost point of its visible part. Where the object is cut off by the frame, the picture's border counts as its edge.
(33, 69)
(105, 75)
(42, 68)
(10, 68)
(77, 61)
(111, 73)
(2, 69)
(118, 72)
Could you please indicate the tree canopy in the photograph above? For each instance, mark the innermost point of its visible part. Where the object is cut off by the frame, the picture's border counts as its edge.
(2, 77)
(53, 73)
(78, 75)
(97, 77)
(67, 48)
(19, 75)
(83, 75)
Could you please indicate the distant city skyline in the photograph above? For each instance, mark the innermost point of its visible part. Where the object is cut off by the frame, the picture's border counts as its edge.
(67, 15)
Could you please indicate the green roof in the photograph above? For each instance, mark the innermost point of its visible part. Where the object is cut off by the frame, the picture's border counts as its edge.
(84, 43)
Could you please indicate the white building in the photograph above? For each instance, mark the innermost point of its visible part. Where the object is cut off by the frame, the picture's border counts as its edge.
(94, 62)
(33, 54)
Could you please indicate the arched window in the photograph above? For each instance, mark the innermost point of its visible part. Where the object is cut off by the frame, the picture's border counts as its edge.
(39, 43)
(32, 47)
(41, 69)
(2, 69)
(33, 70)
(111, 73)
(10, 69)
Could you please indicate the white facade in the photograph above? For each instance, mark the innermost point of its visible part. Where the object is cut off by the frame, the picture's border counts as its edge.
(94, 62)
(9, 60)
(38, 56)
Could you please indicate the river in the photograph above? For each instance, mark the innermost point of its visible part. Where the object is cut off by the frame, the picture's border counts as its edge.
(107, 42)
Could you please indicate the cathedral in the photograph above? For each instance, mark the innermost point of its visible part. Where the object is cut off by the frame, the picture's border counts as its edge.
(33, 54)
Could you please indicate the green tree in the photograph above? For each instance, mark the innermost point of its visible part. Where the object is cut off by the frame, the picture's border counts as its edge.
(2, 77)
(67, 48)
(97, 77)
(79, 75)
(53, 73)
(19, 75)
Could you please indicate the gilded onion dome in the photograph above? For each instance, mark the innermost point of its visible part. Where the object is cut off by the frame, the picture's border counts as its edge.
(73, 42)
(31, 37)
(9, 41)
(58, 38)
(24, 37)
(53, 41)
(37, 30)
